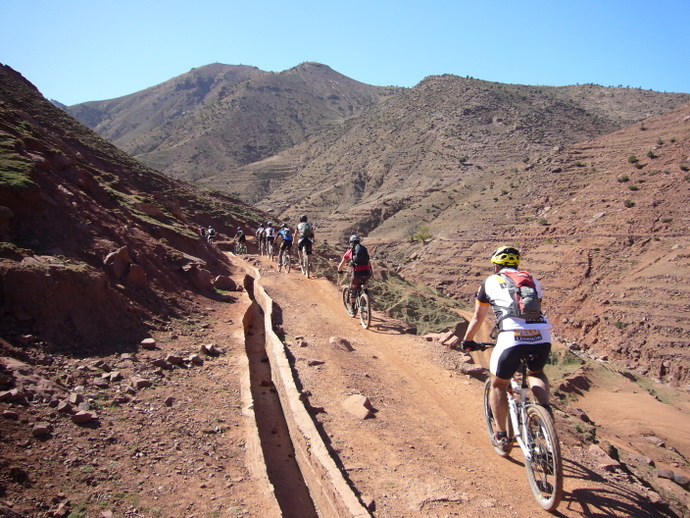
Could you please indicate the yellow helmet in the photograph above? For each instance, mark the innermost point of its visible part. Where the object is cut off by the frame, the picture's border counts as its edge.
(506, 255)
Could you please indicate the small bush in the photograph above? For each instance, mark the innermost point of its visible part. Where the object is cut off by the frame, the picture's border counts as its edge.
(651, 154)
(629, 203)
(633, 159)
(543, 222)
(684, 168)
(634, 187)
(624, 178)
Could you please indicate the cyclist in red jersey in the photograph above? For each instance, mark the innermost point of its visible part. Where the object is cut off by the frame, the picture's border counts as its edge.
(358, 258)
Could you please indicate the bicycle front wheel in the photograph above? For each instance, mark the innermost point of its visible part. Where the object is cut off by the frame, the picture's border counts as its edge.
(364, 310)
(490, 421)
(545, 466)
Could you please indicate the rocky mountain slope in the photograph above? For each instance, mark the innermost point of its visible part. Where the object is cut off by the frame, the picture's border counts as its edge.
(602, 223)
(96, 248)
(456, 163)
(389, 164)
(218, 117)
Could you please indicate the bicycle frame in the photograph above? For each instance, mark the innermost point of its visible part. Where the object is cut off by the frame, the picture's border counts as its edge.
(517, 404)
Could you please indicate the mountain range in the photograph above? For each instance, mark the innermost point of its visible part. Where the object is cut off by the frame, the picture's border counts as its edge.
(590, 181)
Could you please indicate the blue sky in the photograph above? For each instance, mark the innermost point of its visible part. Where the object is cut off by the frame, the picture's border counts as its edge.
(85, 50)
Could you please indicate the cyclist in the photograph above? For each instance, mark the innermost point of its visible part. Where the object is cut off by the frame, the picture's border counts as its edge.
(516, 336)
(240, 236)
(285, 235)
(358, 258)
(306, 234)
(270, 233)
(211, 233)
(260, 235)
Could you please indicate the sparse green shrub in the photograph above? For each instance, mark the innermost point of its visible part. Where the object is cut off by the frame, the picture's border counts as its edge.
(629, 203)
(666, 220)
(422, 234)
(639, 165)
(684, 168)
(580, 164)
(660, 142)
(633, 159)
(651, 154)
(624, 178)
(543, 221)
(633, 187)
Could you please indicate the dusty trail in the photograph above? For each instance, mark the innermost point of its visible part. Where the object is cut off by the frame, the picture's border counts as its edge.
(425, 452)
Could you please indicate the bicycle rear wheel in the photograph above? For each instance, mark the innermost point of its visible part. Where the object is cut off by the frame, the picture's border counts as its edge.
(346, 302)
(286, 262)
(545, 466)
(304, 263)
(489, 419)
(364, 310)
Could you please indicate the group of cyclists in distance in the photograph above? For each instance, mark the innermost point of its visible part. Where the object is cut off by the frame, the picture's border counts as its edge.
(268, 237)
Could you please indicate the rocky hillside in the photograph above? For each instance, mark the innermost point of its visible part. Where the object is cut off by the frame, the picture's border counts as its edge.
(96, 249)
(460, 165)
(219, 117)
(387, 167)
(603, 224)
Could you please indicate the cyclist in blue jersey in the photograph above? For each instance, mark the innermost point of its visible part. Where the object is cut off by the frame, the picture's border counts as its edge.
(286, 238)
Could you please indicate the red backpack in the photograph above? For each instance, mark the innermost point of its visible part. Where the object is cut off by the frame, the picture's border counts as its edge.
(523, 292)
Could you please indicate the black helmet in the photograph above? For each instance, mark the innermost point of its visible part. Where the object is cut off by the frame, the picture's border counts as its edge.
(303, 217)
(354, 238)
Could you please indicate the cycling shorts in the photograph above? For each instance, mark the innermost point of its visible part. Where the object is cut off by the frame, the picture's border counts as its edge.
(305, 242)
(511, 345)
(286, 245)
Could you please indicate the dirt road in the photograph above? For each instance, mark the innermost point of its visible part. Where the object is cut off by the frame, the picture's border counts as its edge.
(425, 451)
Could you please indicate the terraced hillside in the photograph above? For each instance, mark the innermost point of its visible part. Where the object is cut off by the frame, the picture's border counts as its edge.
(604, 225)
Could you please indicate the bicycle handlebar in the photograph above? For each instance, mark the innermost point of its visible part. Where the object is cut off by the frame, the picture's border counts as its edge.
(482, 346)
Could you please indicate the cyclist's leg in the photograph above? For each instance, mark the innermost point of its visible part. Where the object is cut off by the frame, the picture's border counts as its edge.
(355, 283)
(498, 399)
(536, 377)
(505, 360)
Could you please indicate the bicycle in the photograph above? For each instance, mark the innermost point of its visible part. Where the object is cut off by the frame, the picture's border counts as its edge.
(284, 261)
(240, 248)
(362, 303)
(531, 426)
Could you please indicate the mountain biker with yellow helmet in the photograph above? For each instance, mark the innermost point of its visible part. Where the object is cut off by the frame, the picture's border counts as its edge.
(516, 336)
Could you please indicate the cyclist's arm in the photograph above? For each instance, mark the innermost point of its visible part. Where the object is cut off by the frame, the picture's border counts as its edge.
(342, 263)
(481, 309)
